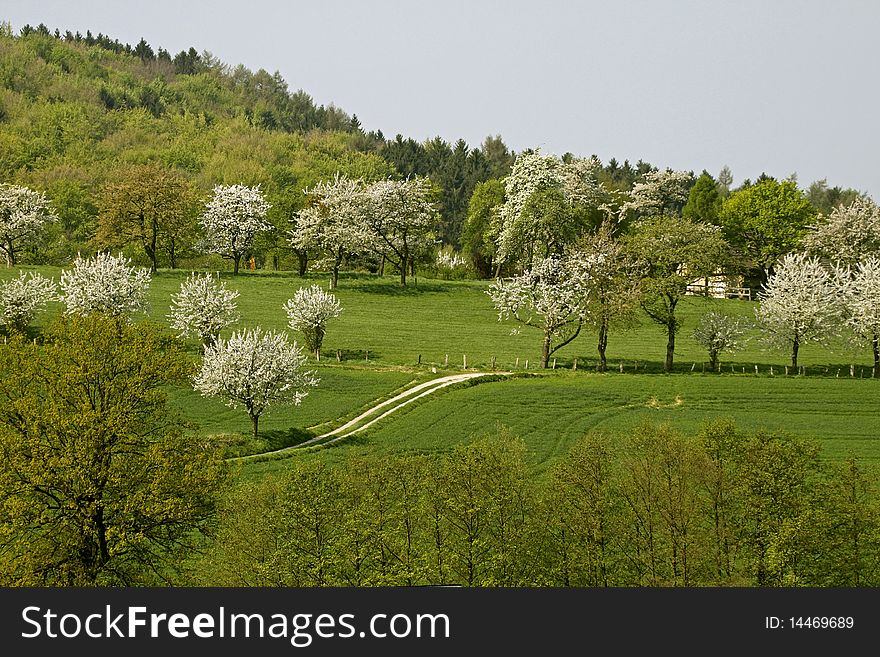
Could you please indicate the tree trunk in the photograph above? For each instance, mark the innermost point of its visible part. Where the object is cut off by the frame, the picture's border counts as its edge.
(713, 359)
(875, 344)
(154, 260)
(172, 253)
(545, 351)
(236, 260)
(255, 420)
(602, 366)
(381, 271)
(334, 281)
(670, 346)
(794, 352)
(303, 261)
(403, 264)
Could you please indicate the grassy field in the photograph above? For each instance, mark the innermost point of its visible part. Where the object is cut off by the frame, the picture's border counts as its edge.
(551, 412)
(385, 329)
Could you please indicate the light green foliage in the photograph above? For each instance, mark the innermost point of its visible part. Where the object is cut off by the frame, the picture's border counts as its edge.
(480, 230)
(100, 484)
(766, 221)
(672, 252)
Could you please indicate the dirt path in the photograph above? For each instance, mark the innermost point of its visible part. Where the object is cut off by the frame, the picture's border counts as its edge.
(367, 419)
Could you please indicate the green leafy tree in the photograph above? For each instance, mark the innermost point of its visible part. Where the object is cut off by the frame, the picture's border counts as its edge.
(100, 483)
(672, 252)
(765, 221)
(704, 200)
(147, 205)
(480, 230)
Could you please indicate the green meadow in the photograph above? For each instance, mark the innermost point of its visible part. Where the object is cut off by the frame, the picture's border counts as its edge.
(389, 338)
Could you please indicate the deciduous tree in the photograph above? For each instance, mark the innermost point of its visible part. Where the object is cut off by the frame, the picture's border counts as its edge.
(104, 284)
(23, 212)
(672, 253)
(101, 484)
(255, 369)
(800, 304)
(232, 218)
(204, 306)
(309, 311)
(149, 206)
(22, 297)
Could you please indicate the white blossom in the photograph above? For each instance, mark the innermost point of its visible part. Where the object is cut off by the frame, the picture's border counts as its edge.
(850, 234)
(521, 232)
(717, 333)
(22, 297)
(861, 292)
(254, 370)
(398, 220)
(232, 218)
(104, 284)
(550, 296)
(801, 303)
(309, 311)
(658, 193)
(203, 307)
(23, 212)
(334, 223)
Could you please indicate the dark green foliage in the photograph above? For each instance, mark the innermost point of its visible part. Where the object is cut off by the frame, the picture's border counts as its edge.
(704, 202)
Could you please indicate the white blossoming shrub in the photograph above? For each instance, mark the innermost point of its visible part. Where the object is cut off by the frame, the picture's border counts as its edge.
(450, 265)
(309, 311)
(800, 304)
(23, 212)
(232, 218)
(718, 333)
(22, 297)
(104, 284)
(203, 307)
(254, 370)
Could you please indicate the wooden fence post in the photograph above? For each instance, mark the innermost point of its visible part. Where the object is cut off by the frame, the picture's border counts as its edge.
(575, 365)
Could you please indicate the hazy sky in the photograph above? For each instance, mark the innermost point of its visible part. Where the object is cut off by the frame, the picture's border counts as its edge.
(759, 85)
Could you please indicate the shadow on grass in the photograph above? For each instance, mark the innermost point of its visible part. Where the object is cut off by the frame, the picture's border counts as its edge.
(268, 441)
(390, 289)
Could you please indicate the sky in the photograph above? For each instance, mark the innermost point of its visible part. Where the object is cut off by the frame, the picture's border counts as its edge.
(772, 86)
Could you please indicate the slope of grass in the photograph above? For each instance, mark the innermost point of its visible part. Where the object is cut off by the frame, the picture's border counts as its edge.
(551, 412)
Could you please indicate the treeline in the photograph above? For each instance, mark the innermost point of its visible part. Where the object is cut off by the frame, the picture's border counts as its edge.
(728, 508)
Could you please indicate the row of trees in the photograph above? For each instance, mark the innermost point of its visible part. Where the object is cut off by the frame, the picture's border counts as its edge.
(585, 254)
(653, 509)
(252, 369)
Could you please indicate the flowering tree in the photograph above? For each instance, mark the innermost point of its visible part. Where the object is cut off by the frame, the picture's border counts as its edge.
(550, 296)
(232, 218)
(850, 234)
(717, 332)
(398, 220)
(23, 212)
(672, 252)
(611, 279)
(861, 293)
(801, 303)
(334, 223)
(658, 193)
(255, 369)
(309, 311)
(22, 297)
(546, 205)
(203, 307)
(104, 284)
